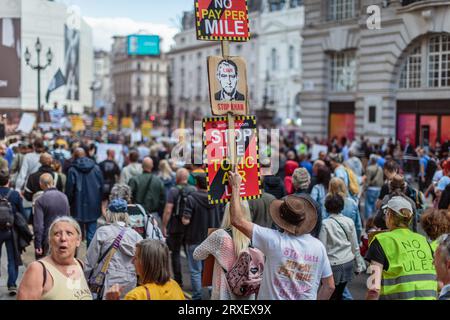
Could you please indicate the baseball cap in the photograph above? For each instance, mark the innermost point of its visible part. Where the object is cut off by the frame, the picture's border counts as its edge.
(398, 203)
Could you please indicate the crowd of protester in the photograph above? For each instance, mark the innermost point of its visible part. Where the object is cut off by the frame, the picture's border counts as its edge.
(317, 224)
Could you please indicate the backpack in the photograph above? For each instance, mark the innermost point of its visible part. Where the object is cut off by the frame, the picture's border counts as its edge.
(353, 184)
(245, 276)
(430, 169)
(181, 201)
(144, 224)
(416, 196)
(6, 212)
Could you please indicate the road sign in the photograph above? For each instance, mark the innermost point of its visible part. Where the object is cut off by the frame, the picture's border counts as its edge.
(228, 85)
(222, 20)
(219, 162)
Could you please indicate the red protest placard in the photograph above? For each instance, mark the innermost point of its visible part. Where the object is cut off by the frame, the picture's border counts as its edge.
(219, 164)
(222, 20)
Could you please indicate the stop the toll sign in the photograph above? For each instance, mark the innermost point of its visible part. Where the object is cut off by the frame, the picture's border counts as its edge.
(222, 20)
(219, 162)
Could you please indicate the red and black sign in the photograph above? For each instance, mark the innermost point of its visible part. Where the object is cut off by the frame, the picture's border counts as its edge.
(219, 163)
(222, 20)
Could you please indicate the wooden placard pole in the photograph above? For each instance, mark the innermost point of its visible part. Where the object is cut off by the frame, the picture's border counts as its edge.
(225, 45)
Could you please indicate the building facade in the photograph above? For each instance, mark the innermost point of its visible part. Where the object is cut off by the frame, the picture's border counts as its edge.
(384, 81)
(273, 59)
(102, 89)
(70, 39)
(140, 83)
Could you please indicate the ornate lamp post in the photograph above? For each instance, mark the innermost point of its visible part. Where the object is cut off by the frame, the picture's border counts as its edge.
(38, 67)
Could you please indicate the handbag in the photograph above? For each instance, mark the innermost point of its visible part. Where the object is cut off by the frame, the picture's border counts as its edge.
(359, 265)
(97, 283)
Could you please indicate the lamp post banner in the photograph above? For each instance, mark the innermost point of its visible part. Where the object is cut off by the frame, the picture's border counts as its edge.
(218, 161)
(72, 63)
(10, 43)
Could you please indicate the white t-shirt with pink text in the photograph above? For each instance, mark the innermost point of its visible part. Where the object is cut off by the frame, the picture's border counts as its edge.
(294, 265)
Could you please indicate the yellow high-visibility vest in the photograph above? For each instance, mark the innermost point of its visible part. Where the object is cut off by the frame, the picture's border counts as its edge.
(411, 274)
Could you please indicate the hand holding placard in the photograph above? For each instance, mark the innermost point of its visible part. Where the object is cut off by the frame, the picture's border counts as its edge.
(235, 180)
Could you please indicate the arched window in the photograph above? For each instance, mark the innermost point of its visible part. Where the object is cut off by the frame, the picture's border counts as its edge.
(291, 57)
(427, 64)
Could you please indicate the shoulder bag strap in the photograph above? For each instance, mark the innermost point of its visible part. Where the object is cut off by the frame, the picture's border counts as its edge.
(147, 292)
(340, 225)
(44, 273)
(113, 250)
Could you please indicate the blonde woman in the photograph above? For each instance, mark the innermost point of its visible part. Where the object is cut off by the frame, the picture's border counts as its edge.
(224, 244)
(351, 210)
(166, 174)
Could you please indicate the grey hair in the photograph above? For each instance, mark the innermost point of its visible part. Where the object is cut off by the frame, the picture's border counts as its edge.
(65, 219)
(121, 191)
(373, 159)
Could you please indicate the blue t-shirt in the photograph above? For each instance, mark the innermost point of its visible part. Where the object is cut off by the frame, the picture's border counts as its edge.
(381, 161)
(424, 162)
(307, 165)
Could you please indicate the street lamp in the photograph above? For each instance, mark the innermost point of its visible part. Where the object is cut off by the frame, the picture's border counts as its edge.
(38, 67)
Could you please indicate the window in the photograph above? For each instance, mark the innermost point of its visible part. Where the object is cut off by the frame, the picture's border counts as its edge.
(372, 114)
(295, 3)
(182, 83)
(291, 57)
(341, 9)
(275, 5)
(273, 59)
(439, 61)
(138, 66)
(411, 70)
(343, 69)
(428, 64)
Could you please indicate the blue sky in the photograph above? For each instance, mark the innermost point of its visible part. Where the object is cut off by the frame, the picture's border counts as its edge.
(154, 11)
(122, 17)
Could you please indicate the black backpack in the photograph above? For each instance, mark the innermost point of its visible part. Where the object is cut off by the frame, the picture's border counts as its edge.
(431, 168)
(6, 212)
(181, 201)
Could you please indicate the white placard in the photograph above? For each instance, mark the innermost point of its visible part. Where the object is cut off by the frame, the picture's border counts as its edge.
(316, 149)
(26, 123)
(103, 147)
(136, 136)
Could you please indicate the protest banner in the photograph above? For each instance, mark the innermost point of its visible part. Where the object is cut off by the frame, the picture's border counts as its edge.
(222, 20)
(97, 125)
(146, 129)
(228, 85)
(316, 149)
(77, 123)
(219, 164)
(113, 123)
(127, 123)
(26, 123)
(102, 148)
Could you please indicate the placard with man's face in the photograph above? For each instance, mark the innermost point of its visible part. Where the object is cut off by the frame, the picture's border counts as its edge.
(228, 85)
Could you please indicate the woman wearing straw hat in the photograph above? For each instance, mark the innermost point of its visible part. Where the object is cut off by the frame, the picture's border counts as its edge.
(296, 262)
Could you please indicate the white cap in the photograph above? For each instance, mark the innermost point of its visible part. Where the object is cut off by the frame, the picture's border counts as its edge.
(398, 203)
